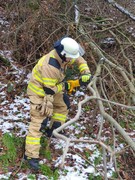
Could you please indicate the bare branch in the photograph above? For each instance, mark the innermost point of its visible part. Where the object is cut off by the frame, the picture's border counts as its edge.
(122, 9)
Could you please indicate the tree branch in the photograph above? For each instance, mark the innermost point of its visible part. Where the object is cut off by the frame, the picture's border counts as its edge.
(122, 9)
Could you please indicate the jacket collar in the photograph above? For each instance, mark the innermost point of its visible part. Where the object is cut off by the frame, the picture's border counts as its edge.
(55, 54)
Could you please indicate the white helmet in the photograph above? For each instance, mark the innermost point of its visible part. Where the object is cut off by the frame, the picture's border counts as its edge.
(70, 48)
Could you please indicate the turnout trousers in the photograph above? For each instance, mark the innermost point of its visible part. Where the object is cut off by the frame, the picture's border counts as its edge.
(60, 111)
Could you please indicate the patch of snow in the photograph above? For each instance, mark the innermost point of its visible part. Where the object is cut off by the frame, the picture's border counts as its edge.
(7, 54)
(6, 127)
(110, 170)
(43, 161)
(120, 147)
(18, 110)
(5, 176)
(94, 155)
(23, 129)
(99, 118)
(73, 174)
(58, 143)
(89, 169)
(75, 101)
(3, 22)
(79, 93)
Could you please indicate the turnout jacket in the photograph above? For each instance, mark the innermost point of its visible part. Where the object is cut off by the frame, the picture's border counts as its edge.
(49, 72)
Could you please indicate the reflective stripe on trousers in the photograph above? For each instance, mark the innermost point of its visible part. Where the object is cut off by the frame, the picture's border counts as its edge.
(32, 140)
(59, 117)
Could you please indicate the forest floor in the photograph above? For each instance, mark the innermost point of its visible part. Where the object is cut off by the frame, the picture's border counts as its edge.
(83, 160)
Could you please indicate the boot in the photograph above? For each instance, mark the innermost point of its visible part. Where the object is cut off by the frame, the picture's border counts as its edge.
(33, 162)
(49, 131)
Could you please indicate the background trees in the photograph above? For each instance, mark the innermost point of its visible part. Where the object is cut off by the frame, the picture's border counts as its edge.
(106, 30)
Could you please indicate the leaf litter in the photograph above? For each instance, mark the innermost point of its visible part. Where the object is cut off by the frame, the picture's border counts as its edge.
(82, 159)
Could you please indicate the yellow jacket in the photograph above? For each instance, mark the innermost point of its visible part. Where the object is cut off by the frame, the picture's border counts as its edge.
(49, 72)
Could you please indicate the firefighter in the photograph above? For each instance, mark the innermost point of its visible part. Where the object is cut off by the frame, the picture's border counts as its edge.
(46, 91)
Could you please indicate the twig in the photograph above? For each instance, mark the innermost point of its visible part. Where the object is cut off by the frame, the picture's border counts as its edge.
(122, 9)
(95, 95)
(85, 160)
(102, 89)
(105, 163)
(124, 55)
(114, 156)
(112, 120)
(101, 128)
(94, 142)
(112, 27)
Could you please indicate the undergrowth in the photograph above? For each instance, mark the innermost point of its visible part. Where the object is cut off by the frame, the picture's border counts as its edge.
(46, 170)
(9, 154)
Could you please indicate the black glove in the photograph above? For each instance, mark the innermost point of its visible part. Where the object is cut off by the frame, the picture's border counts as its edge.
(44, 125)
(49, 131)
(46, 130)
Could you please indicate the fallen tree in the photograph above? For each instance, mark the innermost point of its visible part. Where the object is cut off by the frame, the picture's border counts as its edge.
(106, 66)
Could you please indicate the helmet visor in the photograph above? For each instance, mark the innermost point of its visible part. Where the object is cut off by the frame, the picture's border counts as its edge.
(81, 50)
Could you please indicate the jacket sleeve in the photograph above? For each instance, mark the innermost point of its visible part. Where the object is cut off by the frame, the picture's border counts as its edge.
(50, 77)
(82, 66)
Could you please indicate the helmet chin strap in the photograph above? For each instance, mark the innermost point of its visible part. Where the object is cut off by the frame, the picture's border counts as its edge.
(63, 57)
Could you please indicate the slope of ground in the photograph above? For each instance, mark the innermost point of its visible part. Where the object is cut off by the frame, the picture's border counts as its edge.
(83, 161)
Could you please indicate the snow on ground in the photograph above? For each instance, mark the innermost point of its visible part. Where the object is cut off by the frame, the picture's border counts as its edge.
(15, 114)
